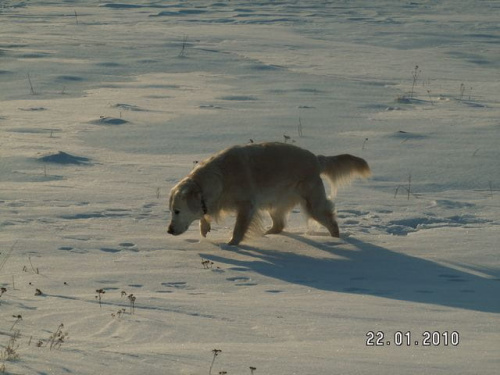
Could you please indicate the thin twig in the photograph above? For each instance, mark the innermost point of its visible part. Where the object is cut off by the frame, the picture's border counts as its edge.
(4, 260)
(31, 85)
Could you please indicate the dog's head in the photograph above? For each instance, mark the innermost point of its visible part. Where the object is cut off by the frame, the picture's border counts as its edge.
(186, 205)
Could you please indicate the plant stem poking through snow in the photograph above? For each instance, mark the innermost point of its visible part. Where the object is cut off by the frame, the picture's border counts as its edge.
(415, 74)
(99, 292)
(364, 143)
(462, 91)
(207, 264)
(9, 353)
(408, 188)
(216, 353)
(35, 270)
(18, 319)
(4, 260)
(31, 85)
(184, 45)
(131, 298)
(58, 337)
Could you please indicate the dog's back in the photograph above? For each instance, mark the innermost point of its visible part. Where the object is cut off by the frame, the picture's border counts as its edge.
(262, 172)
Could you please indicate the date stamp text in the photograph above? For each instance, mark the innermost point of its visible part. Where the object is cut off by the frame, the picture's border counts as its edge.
(407, 338)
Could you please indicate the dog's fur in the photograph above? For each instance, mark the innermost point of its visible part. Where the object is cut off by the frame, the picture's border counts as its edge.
(268, 176)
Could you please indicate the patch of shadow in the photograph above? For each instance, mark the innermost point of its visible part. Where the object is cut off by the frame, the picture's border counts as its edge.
(65, 159)
(473, 104)
(147, 61)
(209, 106)
(128, 107)
(183, 12)
(266, 67)
(35, 55)
(175, 284)
(127, 244)
(484, 36)
(404, 226)
(66, 78)
(93, 215)
(120, 6)
(34, 130)
(73, 250)
(109, 121)
(410, 100)
(274, 291)
(109, 250)
(239, 269)
(401, 134)
(108, 64)
(33, 109)
(309, 90)
(238, 279)
(238, 97)
(380, 107)
(466, 219)
(107, 281)
(353, 212)
(3, 72)
(450, 204)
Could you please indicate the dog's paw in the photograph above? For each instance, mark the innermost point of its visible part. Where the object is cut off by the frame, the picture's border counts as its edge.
(227, 246)
(234, 242)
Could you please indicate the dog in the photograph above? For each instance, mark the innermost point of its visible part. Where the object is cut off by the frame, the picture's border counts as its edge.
(272, 177)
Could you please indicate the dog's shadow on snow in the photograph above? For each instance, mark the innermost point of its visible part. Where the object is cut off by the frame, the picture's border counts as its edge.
(362, 268)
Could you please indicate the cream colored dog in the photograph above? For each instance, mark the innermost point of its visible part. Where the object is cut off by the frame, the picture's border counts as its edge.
(269, 176)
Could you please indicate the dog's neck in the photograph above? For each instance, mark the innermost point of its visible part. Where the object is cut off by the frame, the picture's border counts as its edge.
(203, 203)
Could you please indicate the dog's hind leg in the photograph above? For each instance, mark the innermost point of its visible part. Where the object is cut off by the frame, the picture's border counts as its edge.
(278, 217)
(318, 207)
(245, 214)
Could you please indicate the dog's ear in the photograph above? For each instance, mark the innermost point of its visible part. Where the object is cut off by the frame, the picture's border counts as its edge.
(193, 200)
(171, 199)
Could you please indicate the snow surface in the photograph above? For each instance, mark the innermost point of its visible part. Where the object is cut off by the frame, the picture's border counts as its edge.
(104, 106)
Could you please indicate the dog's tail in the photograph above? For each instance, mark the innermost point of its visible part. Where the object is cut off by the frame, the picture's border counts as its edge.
(342, 169)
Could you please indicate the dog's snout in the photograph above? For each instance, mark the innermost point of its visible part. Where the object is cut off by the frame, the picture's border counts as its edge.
(170, 230)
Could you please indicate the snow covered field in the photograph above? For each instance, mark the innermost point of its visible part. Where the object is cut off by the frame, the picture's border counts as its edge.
(104, 106)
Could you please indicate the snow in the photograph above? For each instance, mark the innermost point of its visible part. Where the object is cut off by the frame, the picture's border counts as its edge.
(105, 106)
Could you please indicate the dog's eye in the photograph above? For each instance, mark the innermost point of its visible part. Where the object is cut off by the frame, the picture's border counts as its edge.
(176, 212)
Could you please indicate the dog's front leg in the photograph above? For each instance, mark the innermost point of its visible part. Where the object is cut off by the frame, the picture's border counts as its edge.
(244, 217)
(204, 226)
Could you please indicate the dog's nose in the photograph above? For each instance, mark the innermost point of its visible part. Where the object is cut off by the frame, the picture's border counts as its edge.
(170, 230)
